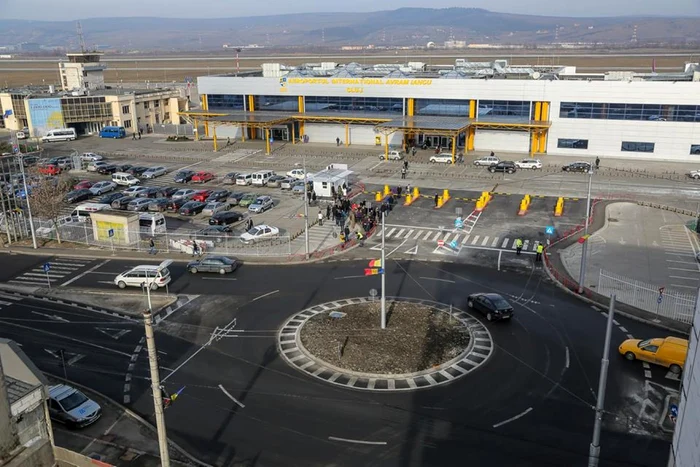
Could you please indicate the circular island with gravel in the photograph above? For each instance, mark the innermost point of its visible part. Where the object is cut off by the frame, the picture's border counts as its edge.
(423, 345)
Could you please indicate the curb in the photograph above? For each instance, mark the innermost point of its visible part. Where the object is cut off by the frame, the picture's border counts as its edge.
(136, 417)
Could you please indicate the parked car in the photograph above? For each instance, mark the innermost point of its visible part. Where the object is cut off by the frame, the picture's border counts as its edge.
(159, 204)
(258, 233)
(297, 174)
(670, 352)
(201, 195)
(28, 161)
(185, 193)
(149, 192)
(230, 178)
(503, 166)
(234, 198)
(82, 184)
(529, 164)
(107, 169)
(247, 200)
(108, 199)
(288, 183)
(50, 169)
(123, 202)
(76, 196)
(183, 176)
(392, 156)
(91, 157)
(443, 158)
(102, 187)
(298, 187)
(584, 167)
(71, 407)
(218, 231)
(137, 171)
(176, 204)
(275, 181)
(262, 204)
(134, 190)
(124, 167)
(202, 177)
(95, 166)
(213, 207)
(491, 305)
(218, 195)
(220, 264)
(486, 161)
(139, 204)
(167, 192)
(226, 218)
(191, 208)
(154, 172)
(694, 174)
(244, 179)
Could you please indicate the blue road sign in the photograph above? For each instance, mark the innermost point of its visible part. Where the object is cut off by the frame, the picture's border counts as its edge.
(459, 223)
(47, 267)
(549, 230)
(658, 300)
(110, 232)
(454, 245)
(674, 410)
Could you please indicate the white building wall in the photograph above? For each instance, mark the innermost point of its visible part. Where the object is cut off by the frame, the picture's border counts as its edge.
(362, 134)
(227, 131)
(324, 132)
(497, 140)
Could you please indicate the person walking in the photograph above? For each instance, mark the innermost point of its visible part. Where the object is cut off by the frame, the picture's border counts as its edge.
(337, 141)
(320, 218)
(140, 133)
(405, 165)
(328, 211)
(408, 189)
(133, 135)
(540, 250)
(597, 162)
(346, 231)
(413, 151)
(152, 246)
(436, 200)
(403, 173)
(195, 249)
(518, 246)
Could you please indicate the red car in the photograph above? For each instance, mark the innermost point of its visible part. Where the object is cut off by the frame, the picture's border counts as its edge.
(83, 184)
(201, 195)
(202, 177)
(49, 169)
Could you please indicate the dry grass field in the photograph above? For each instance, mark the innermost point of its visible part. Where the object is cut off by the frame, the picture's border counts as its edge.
(163, 69)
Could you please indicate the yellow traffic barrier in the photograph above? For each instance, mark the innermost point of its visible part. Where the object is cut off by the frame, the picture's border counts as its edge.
(446, 195)
(524, 205)
(483, 201)
(416, 194)
(409, 200)
(387, 190)
(559, 208)
(378, 197)
(440, 202)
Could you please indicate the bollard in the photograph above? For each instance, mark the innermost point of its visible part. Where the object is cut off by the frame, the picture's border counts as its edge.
(439, 203)
(446, 195)
(416, 194)
(387, 190)
(409, 200)
(378, 197)
(559, 208)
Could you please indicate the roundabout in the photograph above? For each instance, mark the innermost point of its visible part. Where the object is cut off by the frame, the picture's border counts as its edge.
(471, 345)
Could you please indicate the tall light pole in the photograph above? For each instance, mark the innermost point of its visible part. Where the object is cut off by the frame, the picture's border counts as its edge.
(584, 245)
(306, 211)
(383, 301)
(26, 191)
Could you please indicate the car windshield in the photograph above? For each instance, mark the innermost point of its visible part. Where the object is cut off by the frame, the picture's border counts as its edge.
(500, 303)
(74, 400)
(254, 231)
(644, 343)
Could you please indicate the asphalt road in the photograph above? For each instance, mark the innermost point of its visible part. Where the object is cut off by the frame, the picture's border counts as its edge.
(531, 404)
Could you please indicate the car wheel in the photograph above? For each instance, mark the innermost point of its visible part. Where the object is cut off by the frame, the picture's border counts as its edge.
(489, 316)
(567, 169)
(675, 369)
(630, 356)
(696, 177)
(470, 304)
(121, 284)
(193, 270)
(510, 171)
(154, 286)
(492, 170)
(222, 271)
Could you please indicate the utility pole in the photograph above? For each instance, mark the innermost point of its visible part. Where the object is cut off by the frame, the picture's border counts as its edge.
(26, 194)
(383, 275)
(584, 245)
(306, 211)
(594, 449)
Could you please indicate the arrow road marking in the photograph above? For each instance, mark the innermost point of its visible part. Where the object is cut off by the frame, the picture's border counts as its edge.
(52, 317)
(412, 251)
(113, 333)
(70, 361)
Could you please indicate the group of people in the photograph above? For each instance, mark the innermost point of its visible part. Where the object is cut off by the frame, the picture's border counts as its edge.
(538, 251)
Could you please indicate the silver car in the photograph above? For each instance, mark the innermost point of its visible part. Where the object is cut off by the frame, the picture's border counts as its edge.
(212, 208)
(154, 172)
(69, 406)
(262, 204)
(288, 183)
(102, 187)
(186, 193)
(139, 204)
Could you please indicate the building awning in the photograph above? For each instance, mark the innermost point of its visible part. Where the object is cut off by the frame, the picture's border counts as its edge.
(250, 119)
(425, 124)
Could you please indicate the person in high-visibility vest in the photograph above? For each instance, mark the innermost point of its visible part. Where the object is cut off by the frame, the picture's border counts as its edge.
(540, 250)
(518, 246)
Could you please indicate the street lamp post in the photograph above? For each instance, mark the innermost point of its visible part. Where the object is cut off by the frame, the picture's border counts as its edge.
(306, 212)
(584, 245)
(383, 301)
(26, 192)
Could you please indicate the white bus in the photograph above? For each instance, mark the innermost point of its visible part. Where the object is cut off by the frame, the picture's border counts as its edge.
(64, 134)
(152, 223)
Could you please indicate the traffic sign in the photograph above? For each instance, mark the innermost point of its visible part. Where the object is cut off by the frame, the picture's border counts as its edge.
(658, 300)
(110, 232)
(441, 242)
(549, 230)
(47, 267)
(459, 223)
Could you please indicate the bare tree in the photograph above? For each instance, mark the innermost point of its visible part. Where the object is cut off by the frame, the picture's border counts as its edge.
(46, 197)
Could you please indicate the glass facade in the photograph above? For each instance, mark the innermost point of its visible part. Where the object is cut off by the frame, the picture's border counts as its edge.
(225, 101)
(86, 109)
(634, 146)
(353, 104)
(277, 103)
(442, 107)
(572, 143)
(695, 149)
(611, 111)
(512, 109)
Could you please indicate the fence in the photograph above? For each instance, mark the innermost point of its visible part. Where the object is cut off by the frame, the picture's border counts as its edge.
(673, 305)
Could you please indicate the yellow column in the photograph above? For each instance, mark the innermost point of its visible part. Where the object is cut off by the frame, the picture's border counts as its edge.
(205, 106)
(470, 138)
(347, 135)
(543, 142)
(216, 145)
(454, 148)
(472, 109)
(410, 107)
(196, 132)
(386, 147)
(544, 116)
(538, 111)
(300, 104)
(267, 141)
(243, 130)
(251, 108)
(535, 142)
(294, 138)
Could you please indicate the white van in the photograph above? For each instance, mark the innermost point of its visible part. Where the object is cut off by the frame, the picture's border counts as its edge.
(152, 223)
(63, 134)
(244, 179)
(123, 178)
(82, 213)
(261, 178)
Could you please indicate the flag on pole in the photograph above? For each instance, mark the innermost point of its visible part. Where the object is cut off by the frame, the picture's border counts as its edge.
(371, 271)
(375, 263)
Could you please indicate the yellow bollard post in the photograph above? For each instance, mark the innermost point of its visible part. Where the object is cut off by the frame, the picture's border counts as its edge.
(416, 194)
(409, 200)
(378, 197)
(439, 203)
(216, 144)
(446, 194)
(387, 190)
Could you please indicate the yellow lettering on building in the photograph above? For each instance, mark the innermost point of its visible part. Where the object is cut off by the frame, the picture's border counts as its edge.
(362, 81)
(355, 90)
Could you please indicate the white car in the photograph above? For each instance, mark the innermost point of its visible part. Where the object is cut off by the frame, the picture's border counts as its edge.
(91, 157)
(487, 161)
(443, 157)
(392, 156)
(21, 135)
(212, 208)
(297, 174)
(102, 187)
(694, 174)
(134, 190)
(529, 164)
(94, 166)
(154, 172)
(244, 179)
(259, 232)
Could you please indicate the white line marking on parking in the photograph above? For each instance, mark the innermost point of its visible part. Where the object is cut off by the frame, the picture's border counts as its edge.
(358, 441)
(622, 328)
(486, 240)
(349, 277)
(512, 419)
(566, 365)
(437, 279)
(647, 374)
(427, 234)
(219, 278)
(85, 273)
(240, 404)
(265, 295)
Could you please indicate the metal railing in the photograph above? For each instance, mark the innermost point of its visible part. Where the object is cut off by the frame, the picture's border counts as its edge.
(670, 304)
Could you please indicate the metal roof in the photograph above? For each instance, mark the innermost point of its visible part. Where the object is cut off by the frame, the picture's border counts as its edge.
(247, 117)
(17, 389)
(427, 123)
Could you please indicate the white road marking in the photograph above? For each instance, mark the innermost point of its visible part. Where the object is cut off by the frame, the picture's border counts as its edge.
(494, 243)
(85, 273)
(677, 261)
(427, 234)
(51, 317)
(464, 240)
(66, 337)
(410, 232)
(358, 441)
(645, 365)
(388, 234)
(622, 328)
(349, 277)
(683, 269)
(684, 278)
(219, 278)
(265, 295)
(240, 404)
(476, 239)
(394, 250)
(505, 242)
(437, 279)
(400, 232)
(630, 336)
(486, 240)
(647, 374)
(418, 234)
(512, 419)
(437, 235)
(566, 365)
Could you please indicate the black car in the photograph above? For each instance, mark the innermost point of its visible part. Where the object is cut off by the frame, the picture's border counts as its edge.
(234, 198)
(503, 166)
(218, 195)
(183, 176)
(150, 192)
(192, 208)
(137, 170)
(213, 231)
(124, 167)
(220, 264)
(167, 192)
(159, 205)
(584, 167)
(176, 204)
(108, 199)
(30, 160)
(226, 218)
(122, 203)
(492, 305)
(78, 195)
(107, 169)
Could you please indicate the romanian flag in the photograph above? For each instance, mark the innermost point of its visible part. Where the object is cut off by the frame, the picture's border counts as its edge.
(371, 271)
(375, 263)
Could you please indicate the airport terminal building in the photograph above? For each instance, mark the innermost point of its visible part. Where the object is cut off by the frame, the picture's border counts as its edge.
(468, 106)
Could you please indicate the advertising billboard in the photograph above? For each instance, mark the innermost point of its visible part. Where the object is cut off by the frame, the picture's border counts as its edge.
(45, 115)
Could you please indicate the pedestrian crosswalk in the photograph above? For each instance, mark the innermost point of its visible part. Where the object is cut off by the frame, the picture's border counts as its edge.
(58, 272)
(460, 237)
(320, 237)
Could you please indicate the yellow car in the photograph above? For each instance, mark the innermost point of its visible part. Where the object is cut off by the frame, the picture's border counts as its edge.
(669, 352)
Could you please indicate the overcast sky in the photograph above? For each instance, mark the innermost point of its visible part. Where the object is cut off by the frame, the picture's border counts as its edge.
(77, 9)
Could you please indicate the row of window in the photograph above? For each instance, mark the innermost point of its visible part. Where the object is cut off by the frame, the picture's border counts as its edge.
(627, 146)
(608, 111)
(353, 104)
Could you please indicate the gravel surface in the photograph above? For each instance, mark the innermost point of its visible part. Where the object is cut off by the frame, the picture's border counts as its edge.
(416, 338)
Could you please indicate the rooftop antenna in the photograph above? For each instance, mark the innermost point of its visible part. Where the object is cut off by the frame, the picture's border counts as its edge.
(81, 39)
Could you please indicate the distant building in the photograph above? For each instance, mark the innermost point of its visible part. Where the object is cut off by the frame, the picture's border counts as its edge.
(82, 71)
